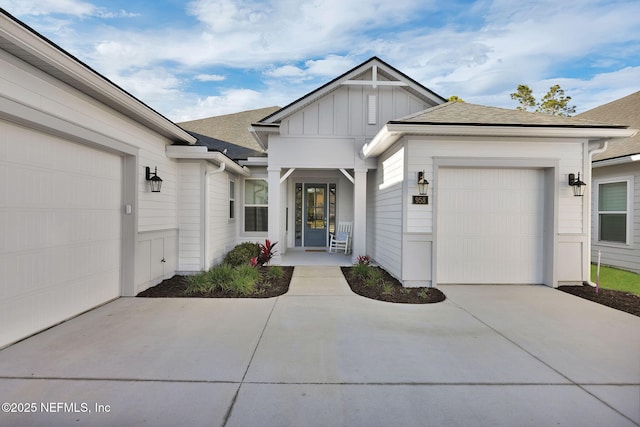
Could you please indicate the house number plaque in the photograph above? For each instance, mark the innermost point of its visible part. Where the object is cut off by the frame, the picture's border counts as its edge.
(420, 200)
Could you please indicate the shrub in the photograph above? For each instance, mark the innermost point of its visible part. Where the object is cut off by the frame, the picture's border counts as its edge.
(266, 252)
(387, 288)
(274, 272)
(209, 281)
(361, 270)
(244, 280)
(242, 254)
(364, 260)
(198, 283)
(374, 276)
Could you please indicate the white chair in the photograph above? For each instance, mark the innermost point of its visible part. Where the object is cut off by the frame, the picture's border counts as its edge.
(341, 239)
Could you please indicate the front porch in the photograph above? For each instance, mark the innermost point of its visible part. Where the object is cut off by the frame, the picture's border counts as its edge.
(296, 257)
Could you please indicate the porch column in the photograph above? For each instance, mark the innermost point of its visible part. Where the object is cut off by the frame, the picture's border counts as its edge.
(275, 216)
(359, 214)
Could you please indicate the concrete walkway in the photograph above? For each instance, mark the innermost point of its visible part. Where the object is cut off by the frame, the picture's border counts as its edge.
(321, 355)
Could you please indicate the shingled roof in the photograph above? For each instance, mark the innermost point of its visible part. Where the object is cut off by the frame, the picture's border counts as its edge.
(233, 128)
(463, 113)
(624, 110)
(232, 151)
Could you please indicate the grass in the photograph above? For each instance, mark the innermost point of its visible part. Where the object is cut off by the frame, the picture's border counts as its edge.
(617, 280)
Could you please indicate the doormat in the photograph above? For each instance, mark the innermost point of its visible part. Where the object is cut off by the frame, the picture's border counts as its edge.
(315, 250)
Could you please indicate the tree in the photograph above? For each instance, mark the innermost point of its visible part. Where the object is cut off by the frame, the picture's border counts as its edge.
(525, 97)
(455, 98)
(554, 102)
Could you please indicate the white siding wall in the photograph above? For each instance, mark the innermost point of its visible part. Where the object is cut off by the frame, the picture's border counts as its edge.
(156, 213)
(626, 257)
(387, 210)
(190, 244)
(421, 153)
(221, 230)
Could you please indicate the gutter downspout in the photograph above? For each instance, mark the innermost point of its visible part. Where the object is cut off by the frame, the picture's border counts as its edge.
(205, 212)
(601, 149)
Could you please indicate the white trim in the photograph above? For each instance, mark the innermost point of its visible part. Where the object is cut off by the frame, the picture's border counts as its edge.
(391, 132)
(286, 175)
(629, 212)
(347, 175)
(201, 153)
(616, 161)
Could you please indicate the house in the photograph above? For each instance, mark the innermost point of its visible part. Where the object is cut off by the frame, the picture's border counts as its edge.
(615, 192)
(80, 224)
(498, 209)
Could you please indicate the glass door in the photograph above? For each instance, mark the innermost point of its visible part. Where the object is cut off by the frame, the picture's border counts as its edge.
(315, 218)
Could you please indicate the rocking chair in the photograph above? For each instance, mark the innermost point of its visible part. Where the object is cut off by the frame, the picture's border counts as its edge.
(341, 240)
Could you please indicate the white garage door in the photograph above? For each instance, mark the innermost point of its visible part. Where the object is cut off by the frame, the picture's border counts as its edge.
(60, 228)
(490, 225)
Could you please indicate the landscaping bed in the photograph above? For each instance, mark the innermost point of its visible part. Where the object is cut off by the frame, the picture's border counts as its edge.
(619, 300)
(376, 283)
(266, 287)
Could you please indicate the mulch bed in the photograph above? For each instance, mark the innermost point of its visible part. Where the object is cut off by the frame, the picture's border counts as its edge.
(175, 287)
(622, 301)
(394, 293)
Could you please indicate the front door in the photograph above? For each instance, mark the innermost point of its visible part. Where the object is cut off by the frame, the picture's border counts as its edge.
(315, 219)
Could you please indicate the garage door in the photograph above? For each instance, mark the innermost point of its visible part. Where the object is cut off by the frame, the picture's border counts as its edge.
(490, 225)
(60, 228)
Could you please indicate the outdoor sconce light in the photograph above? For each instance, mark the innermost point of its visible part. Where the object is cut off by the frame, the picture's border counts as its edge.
(578, 186)
(423, 184)
(155, 182)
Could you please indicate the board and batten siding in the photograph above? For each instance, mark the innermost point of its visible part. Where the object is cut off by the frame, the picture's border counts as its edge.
(623, 256)
(386, 210)
(346, 110)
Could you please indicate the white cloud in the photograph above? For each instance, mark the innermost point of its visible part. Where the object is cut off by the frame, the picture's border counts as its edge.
(229, 101)
(210, 78)
(480, 51)
(66, 7)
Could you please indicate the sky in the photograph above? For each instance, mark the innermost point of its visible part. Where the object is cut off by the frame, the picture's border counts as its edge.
(202, 58)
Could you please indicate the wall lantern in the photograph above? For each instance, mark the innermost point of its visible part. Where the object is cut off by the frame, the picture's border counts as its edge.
(155, 182)
(423, 184)
(578, 186)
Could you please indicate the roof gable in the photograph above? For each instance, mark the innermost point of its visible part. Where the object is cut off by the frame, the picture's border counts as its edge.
(374, 72)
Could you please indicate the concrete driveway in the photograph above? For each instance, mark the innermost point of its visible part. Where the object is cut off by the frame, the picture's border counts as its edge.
(320, 355)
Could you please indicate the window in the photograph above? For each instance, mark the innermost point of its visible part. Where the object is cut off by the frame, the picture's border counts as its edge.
(232, 199)
(256, 204)
(612, 211)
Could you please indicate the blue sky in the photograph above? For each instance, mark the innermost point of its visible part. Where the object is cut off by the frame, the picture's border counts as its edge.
(201, 58)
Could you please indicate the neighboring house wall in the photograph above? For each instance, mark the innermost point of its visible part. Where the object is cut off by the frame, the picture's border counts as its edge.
(617, 254)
